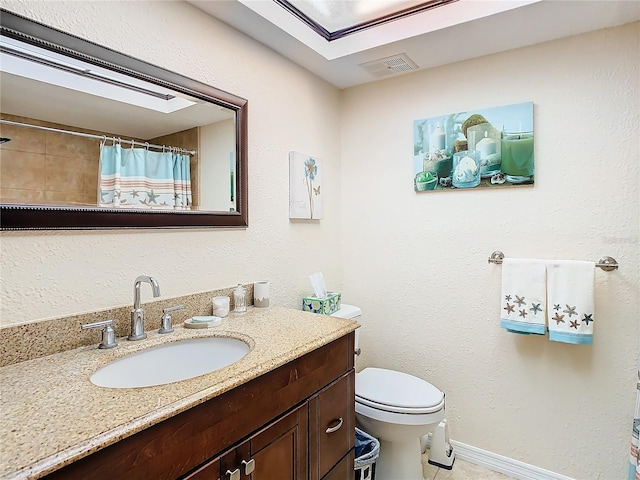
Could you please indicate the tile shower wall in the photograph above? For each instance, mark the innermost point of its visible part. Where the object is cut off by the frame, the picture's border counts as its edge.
(43, 167)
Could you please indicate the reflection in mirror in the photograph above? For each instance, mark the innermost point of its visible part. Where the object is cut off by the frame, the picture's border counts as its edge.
(96, 139)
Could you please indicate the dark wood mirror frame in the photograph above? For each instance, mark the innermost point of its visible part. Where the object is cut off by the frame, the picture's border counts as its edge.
(45, 217)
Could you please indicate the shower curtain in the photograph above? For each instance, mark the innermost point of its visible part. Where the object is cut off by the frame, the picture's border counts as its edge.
(139, 178)
(634, 458)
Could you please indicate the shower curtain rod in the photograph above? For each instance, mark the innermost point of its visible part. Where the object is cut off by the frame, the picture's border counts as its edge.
(98, 137)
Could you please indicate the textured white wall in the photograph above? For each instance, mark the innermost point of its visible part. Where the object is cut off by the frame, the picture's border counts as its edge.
(417, 263)
(48, 274)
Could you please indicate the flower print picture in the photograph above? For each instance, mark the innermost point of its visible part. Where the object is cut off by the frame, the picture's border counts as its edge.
(305, 181)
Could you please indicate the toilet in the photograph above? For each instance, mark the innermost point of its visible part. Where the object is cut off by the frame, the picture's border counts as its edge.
(398, 409)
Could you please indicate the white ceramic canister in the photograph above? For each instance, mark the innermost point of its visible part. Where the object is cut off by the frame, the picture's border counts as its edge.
(261, 294)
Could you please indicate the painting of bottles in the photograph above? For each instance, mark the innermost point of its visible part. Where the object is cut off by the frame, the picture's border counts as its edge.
(488, 147)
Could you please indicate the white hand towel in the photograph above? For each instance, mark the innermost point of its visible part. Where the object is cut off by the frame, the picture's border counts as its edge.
(570, 296)
(523, 296)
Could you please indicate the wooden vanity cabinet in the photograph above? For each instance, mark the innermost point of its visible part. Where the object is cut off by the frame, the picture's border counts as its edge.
(279, 420)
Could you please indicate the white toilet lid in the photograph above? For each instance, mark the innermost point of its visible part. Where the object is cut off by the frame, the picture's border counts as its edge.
(397, 392)
(348, 312)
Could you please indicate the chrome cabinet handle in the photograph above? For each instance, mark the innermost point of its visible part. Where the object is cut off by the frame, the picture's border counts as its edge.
(335, 428)
(249, 466)
(235, 475)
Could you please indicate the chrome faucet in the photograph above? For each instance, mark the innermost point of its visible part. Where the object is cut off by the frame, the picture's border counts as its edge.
(137, 314)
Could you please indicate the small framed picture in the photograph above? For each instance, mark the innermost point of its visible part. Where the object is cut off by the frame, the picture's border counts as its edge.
(305, 187)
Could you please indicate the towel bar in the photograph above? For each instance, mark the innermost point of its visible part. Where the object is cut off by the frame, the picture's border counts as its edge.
(607, 264)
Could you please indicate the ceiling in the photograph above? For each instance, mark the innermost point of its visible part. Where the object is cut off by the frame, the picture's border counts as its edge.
(446, 34)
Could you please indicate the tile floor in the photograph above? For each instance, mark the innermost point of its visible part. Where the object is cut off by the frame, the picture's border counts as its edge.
(461, 471)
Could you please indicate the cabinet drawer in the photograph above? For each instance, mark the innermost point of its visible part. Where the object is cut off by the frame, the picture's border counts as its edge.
(332, 424)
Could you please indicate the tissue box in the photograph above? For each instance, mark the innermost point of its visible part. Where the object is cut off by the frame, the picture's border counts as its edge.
(325, 306)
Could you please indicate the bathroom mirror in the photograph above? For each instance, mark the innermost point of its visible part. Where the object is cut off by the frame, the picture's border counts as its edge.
(94, 139)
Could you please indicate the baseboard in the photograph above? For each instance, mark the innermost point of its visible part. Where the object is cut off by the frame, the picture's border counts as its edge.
(501, 464)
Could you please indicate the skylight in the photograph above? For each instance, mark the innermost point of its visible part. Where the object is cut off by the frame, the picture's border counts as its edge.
(334, 19)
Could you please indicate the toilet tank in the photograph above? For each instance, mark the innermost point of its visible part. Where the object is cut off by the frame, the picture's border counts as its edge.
(351, 312)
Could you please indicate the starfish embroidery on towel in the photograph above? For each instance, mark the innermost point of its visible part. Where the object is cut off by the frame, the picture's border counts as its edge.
(573, 324)
(134, 193)
(520, 300)
(558, 318)
(507, 298)
(587, 318)
(570, 311)
(523, 313)
(535, 308)
(508, 308)
(557, 306)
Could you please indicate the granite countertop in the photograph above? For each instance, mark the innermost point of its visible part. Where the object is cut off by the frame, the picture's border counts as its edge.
(52, 415)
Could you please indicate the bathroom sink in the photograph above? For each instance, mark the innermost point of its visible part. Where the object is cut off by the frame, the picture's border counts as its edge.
(170, 362)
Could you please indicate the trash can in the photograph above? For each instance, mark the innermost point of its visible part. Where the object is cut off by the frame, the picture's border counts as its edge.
(367, 452)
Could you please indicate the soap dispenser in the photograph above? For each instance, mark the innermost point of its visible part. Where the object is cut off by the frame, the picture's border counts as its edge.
(240, 299)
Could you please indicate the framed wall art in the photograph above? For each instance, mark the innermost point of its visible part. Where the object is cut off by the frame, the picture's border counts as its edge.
(490, 147)
(305, 182)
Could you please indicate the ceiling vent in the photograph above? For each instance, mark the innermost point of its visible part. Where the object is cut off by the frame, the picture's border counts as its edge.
(392, 65)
